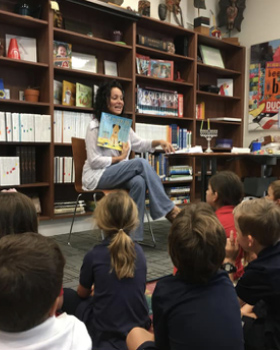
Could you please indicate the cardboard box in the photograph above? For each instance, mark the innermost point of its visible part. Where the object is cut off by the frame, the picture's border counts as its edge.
(202, 30)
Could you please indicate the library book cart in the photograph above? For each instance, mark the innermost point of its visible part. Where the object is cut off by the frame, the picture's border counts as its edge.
(45, 162)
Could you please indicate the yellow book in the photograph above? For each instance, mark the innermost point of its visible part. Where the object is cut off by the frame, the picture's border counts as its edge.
(68, 93)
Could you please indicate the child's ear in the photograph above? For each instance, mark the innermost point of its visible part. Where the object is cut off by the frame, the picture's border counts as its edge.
(54, 308)
(216, 196)
(251, 241)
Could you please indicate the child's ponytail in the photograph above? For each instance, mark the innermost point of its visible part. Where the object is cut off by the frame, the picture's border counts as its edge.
(123, 255)
(117, 215)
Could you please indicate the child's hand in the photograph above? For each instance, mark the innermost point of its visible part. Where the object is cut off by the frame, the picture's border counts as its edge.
(232, 248)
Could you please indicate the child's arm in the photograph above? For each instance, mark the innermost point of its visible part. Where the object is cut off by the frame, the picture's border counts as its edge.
(83, 292)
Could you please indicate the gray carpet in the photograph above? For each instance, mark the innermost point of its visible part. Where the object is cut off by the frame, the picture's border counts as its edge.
(158, 261)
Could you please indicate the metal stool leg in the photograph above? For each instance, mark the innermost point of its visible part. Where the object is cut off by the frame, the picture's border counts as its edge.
(153, 245)
(95, 202)
(69, 236)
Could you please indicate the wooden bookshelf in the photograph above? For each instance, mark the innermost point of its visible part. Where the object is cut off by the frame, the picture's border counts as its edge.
(103, 19)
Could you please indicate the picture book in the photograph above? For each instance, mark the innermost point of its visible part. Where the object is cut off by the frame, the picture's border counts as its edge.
(27, 47)
(161, 69)
(2, 90)
(84, 62)
(142, 64)
(113, 131)
(57, 92)
(226, 87)
(68, 93)
(83, 95)
(62, 54)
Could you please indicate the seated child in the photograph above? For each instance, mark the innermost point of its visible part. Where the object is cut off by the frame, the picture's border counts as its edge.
(198, 307)
(225, 191)
(117, 269)
(273, 192)
(18, 215)
(31, 271)
(258, 231)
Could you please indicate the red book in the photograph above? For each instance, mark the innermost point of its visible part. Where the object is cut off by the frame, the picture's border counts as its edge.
(180, 105)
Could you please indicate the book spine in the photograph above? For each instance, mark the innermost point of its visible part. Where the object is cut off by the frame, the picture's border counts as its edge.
(150, 42)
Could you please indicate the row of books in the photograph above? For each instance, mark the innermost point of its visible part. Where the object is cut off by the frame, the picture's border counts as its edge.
(154, 67)
(64, 170)
(177, 200)
(27, 160)
(179, 137)
(159, 102)
(166, 172)
(70, 124)
(69, 207)
(73, 94)
(9, 171)
(200, 111)
(25, 127)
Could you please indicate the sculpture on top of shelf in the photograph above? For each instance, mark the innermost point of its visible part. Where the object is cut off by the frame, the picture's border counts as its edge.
(173, 6)
(199, 4)
(231, 14)
(144, 7)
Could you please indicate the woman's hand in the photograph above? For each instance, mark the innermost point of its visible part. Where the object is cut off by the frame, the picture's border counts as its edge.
(125, 150)
(166, 146)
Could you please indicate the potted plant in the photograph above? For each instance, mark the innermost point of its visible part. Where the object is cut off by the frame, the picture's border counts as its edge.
(31, 94)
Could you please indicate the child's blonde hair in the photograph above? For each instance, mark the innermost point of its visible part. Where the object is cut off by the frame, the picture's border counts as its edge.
(259, 218)
(117, 215)
(275, 186)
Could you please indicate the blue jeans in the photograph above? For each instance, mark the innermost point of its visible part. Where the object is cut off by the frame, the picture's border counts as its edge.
(136, 175)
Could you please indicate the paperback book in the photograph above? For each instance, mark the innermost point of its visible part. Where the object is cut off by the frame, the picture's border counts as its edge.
(113, 131)
(62, 54)
(57, 92)
(83, 95)
(68, 93)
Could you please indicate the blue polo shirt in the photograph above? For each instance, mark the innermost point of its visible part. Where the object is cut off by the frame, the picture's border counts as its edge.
(118, 305)
(195, 316)
(261, 282)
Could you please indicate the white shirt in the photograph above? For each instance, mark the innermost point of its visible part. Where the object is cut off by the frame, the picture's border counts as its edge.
(99, 158)
(64, 332)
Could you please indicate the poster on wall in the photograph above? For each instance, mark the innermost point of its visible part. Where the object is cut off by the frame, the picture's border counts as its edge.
(264, 87)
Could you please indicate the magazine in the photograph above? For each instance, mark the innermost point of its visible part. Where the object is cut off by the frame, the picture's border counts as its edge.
(62, 54)
(113, 131)
(83, 95)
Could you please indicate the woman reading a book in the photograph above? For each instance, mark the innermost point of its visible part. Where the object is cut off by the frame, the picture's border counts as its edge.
(107, 168)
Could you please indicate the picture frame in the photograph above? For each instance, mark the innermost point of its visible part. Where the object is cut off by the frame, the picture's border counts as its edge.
(161, 69)
(211, 56)
(27, 47)
(111, 68)
(85, 62)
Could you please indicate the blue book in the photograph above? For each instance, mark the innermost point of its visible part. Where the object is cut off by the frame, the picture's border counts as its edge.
(113, 131)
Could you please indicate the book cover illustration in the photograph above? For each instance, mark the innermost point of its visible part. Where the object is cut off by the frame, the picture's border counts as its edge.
(68, 93)
(62, 54)
(226, 87)
(57, 92)
(142, 64)
(113, 131)
(83, 95)
(2, 90)
(161, 69)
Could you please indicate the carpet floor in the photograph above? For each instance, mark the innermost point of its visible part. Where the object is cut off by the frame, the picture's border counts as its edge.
(158, 260)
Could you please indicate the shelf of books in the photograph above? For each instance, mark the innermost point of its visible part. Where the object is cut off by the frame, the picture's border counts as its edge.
(166, 72)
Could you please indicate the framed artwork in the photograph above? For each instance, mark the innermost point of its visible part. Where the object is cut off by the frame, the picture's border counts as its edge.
(161, 69)
(264, 87)
(211, 56)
